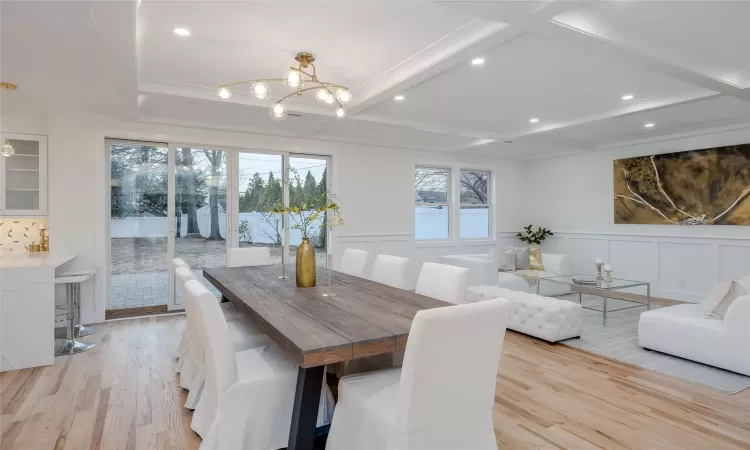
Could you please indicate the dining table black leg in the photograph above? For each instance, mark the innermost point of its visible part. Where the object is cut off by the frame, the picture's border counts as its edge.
(305, 412)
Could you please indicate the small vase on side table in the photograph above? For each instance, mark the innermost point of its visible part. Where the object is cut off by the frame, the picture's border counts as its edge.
(305, 264)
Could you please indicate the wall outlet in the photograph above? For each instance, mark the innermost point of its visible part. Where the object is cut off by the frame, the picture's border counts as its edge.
(683, 283)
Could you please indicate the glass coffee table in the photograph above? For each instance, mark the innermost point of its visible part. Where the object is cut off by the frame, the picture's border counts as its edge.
(602, 289)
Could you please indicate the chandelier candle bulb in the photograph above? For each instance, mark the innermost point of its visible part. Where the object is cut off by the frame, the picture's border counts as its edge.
(292, 78)
(225, 94)
(321, 94)
(340, 113)
(260, 90)
(344, 95)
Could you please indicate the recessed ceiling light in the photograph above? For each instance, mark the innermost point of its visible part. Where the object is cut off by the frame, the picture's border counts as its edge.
(181, 31)
(533, 120)
(398, 98)
(477, 61)
(649, 125)
(627, 97)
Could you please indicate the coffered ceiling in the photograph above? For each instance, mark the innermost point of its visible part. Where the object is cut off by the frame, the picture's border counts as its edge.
(592, 73)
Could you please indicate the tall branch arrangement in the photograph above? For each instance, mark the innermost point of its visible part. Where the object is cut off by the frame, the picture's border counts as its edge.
(305, 212)
(530, 236)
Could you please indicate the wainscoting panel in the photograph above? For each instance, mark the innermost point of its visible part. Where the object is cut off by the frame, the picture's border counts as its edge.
(583, 251)
(623, 253)
(679, 268)
(734, 261)
(686, 269)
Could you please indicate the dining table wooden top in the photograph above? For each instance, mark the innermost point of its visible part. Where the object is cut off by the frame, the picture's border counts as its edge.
(362, 318)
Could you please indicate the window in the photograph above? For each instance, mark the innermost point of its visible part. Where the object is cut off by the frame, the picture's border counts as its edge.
(474, 220)
(436, 193)
(431, 203)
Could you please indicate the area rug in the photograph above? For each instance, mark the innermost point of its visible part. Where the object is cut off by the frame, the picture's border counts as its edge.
(619, 340)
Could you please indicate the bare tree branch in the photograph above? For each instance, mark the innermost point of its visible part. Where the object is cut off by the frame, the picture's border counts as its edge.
(625, 175)
(736, 202)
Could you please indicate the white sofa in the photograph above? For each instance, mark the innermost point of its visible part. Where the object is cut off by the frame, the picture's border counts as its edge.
(683, 331)
(546, 318)
(483, 272)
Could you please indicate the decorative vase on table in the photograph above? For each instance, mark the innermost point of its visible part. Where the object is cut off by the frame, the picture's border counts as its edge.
(305, 264)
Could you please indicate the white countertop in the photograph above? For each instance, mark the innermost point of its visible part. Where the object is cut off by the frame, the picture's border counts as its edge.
(42, 259)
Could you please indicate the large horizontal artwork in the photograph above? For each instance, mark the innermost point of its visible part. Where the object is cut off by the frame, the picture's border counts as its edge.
(701, 187)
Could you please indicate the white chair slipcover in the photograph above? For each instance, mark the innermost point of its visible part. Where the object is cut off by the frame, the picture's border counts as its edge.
(183, 346)
(193, 370)
(249, 256)
(249, 395)
(391, 270)
(443, 282)
(443, 396)
(353, 262)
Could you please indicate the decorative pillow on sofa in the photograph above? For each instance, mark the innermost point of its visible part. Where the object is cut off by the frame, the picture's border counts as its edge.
(509, 261)
(504, 259)
(522, 258)
(745, 282)
(721, 297)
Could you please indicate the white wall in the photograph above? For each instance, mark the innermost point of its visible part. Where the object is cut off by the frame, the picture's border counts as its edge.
(78, 188)
(573, 196)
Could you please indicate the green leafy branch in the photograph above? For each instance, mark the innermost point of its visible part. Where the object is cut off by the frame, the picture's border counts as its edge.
(305, 212)
(530, 236)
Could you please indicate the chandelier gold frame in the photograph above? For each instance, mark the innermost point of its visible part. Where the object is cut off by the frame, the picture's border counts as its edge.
(304, 60)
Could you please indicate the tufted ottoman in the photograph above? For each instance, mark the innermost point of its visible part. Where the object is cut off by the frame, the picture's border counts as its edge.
(546, 318)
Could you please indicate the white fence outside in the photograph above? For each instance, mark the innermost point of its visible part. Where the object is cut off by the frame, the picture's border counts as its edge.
(430, 223)
(259, 231)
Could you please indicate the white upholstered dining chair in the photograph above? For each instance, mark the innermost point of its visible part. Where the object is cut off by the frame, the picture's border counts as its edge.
(443, 396)
(391, 270)
(183, 346)
(243, 335)
(248, 256)
(353, 262)
(249, 395)
(443, 282)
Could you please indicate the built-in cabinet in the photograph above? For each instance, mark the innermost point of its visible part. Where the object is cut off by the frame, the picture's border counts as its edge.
(23, 176)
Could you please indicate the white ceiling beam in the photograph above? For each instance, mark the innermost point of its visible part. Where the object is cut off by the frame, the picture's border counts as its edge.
(460, 46)
(609, 48)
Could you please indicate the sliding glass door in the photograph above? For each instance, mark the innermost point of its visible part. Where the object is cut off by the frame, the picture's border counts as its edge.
(307, 184)
(138, 226)
(260, 188)
(200, 211)
(195, 202)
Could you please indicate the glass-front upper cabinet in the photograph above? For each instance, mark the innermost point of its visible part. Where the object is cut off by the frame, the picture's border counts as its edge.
(23, 175)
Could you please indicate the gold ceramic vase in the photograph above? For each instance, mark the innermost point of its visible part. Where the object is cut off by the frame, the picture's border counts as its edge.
(305, 264)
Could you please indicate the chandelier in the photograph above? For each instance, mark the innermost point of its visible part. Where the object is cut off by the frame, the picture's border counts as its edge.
(302, 81)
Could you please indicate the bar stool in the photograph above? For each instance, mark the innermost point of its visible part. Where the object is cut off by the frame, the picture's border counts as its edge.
(74, 329)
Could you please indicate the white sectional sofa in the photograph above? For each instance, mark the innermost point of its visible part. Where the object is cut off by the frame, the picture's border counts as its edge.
(683, 331)
(546, 318)
(483, 272)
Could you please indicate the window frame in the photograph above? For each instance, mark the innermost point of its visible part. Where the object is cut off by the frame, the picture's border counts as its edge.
(487, 204)
(448, 203)
(454, 206)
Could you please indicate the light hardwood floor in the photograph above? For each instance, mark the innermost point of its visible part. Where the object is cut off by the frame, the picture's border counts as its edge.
(123, 395)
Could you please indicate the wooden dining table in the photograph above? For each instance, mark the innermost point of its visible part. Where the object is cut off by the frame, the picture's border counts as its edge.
(362, 318)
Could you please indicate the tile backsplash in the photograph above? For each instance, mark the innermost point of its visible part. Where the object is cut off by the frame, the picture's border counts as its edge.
(17, 233)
